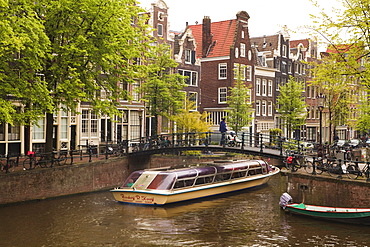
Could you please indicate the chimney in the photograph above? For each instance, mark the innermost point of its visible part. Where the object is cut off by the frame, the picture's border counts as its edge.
(206, 35)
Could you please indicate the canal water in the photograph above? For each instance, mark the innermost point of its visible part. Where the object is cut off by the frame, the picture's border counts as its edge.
(248, 218)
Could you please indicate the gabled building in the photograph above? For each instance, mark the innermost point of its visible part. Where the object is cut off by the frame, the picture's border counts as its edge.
(221, 47)
(189, 64)
(302, 52)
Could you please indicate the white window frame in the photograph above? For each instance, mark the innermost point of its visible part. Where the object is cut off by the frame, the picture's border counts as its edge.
(222, 94)
(263, 107)
(258, 86)
(258, 108)
(269, 108)
(222, 71)
(187, 56)
(264, 87)
(249, 73)
(242, 50)
(269, 88)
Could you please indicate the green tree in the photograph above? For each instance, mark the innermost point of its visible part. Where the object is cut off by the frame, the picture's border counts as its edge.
(93, 47)
(23, 51)
(347, 30)
(239, 101)
(337, 87)
(162, 89)
(292, 106)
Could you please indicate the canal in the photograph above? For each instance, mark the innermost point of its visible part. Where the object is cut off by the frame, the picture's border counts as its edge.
(248, 218)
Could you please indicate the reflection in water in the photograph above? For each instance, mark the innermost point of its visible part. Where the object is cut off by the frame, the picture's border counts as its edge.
(248, 218)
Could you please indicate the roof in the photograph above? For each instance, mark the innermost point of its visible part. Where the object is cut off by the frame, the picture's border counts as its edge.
(223, 34)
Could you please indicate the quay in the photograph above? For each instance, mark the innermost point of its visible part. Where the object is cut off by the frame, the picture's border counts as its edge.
(105, 174)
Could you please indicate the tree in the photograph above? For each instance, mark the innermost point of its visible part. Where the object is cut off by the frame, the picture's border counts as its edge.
(162, 89)
(23, 51)
(240, 107)
(292, 106)
(337, 87)
(93, 47)
(189, 120)
(348, 33)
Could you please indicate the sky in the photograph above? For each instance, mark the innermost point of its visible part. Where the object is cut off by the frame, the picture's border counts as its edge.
(267, 17)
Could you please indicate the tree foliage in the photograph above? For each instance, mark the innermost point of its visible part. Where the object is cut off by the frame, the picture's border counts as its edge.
(24, 49)
(189, 120)
(162, 90)
(348, 33)
(239, 101)
(292, 106)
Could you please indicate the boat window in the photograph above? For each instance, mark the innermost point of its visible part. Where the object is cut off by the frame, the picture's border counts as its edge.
(162, 181)
(144, 180)
(132, 179)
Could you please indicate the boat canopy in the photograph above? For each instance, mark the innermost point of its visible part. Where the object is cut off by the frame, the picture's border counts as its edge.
(199, 174)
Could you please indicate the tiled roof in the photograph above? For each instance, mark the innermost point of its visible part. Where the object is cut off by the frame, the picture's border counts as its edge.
(223, 34)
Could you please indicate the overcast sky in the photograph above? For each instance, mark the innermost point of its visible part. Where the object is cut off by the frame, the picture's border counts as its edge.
(266, 16)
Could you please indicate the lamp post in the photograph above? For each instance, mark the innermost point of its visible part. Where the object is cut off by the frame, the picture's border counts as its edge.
(320, 106)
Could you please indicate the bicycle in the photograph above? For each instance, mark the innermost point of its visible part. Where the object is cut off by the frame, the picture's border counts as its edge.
(353, 170)
(32, 161)
(294, 162)
(61, 160)
(319, 165)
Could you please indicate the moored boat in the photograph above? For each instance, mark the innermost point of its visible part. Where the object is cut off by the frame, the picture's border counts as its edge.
(169, 185)
(339, 214)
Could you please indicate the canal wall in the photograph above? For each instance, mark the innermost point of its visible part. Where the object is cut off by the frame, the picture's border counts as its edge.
(326, 190)
(85, 177)
(105, 174)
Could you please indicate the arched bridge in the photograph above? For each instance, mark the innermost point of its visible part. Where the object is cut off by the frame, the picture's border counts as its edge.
(210, 142)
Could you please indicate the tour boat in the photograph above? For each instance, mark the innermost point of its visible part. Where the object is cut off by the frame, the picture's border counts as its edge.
(170, 185)
(339, 214)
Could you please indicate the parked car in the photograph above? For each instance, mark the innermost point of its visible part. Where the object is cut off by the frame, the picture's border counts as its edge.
(340, 143)
(354, 143)
(368, 142)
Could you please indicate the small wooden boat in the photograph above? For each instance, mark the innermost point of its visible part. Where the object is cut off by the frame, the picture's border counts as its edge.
(169, 185)
(340, 214)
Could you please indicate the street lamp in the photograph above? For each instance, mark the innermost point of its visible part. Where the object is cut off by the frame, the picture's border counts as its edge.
(320, 106)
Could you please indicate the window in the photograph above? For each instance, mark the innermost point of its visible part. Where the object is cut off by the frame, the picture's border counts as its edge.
(135, 124)
(284, 51)
(192, 77)
(193, 97)
(289, 67)
(222, 71)
(264, 87)
(277, 83)
(135, 91)
(236, 52)
(222, 95)
(38, 130)
(258, 86)
(243, 34)
(239, 68)
(249, 73)
(269, 108)
(242, 50)
(160, 30)
(89, 124)
(64, 125)
(269, 88)
(187, 56)
(263, 108)
(258, 108)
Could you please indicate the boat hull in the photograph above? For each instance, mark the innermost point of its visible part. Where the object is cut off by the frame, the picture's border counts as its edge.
(166, 197)
(345, 215)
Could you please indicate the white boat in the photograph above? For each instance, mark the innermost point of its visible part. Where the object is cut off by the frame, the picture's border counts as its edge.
(169, 185)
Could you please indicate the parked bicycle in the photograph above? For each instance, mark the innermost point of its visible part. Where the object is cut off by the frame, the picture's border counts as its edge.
(354, 171)
(45, 160)
(319, 165)
(295, 161)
